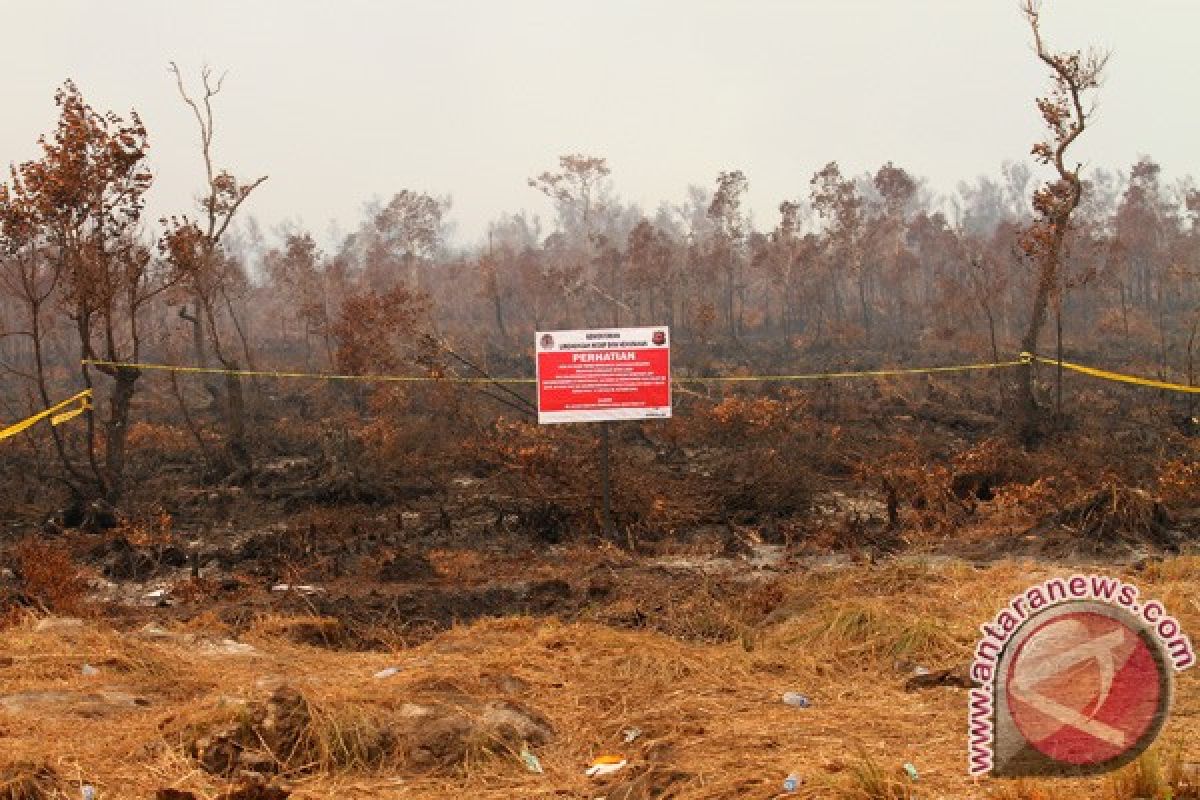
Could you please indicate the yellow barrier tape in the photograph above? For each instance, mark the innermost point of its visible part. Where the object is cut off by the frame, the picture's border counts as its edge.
(1104, 374)
(58, 414)
(324, 376)
(66, 416)
(252, 373)
(1025, 358)
(871, 373)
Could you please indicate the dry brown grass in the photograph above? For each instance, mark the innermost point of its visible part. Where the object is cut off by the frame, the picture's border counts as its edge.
(1161, 773)
(28, 781)
(709, 707)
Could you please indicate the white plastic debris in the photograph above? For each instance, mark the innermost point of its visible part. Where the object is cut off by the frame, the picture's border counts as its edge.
(303, 588)
(606, 765)
(631, 734)
(387, 673)
(532, 762)
(87, 670)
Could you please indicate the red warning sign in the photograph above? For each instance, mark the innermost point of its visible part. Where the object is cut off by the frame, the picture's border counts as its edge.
(605, 374)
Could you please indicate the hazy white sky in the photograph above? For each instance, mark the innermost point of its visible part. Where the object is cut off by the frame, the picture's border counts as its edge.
(342, 101)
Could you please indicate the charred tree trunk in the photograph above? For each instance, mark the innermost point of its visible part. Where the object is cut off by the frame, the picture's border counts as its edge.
(1029, 422)
(237, 447)
(117, 430)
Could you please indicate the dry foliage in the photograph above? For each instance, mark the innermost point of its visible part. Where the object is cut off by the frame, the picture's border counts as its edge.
(1113, 512)
(49, 577)
(1179, 482)
(168, 441)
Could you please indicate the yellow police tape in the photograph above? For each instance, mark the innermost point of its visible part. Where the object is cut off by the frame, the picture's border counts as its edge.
(1023, 359)
(58, 414)
(871, 373)
(1104, 374)
(79, 403)
(323, 376)
(254, 373)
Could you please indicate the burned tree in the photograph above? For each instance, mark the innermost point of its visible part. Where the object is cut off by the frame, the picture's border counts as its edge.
(1074, 74)
(730, 226)
(837, 200)
(70, 223)
(206, 271)
(577, 190)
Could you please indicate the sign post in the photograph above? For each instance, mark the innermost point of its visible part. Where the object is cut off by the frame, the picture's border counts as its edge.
(603, 375)
(606, 481)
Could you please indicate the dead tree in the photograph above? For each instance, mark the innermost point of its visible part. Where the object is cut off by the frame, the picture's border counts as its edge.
(1073, 74)
(208, 272)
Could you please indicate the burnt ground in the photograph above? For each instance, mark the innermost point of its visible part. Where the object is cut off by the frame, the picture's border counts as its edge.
(394, 545)
(836, 561)
(378, 576)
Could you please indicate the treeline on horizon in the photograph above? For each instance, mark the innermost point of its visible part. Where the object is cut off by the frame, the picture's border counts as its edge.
(865, 270)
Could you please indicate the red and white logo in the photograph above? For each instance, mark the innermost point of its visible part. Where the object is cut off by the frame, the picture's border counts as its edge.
(1074, 677)
(1083, 688)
